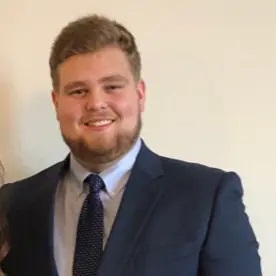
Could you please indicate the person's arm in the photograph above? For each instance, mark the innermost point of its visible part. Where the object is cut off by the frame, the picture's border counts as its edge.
(230, 248)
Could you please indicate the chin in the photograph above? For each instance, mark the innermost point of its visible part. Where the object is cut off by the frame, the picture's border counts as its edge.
(100, 143)
(100, 148)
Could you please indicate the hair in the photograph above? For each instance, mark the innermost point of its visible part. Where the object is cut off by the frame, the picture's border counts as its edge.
(90, 34)
(1, 174)
(4, 235)
(3, 212)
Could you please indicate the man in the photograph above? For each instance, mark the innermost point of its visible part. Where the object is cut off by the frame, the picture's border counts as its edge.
(114, 207)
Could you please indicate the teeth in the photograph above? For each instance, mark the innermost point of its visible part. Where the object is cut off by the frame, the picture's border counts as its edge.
(99, 123)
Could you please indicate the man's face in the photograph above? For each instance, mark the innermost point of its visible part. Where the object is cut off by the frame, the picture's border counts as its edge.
(98, 105)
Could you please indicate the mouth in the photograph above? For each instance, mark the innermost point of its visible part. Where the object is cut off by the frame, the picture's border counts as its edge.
(98, 124)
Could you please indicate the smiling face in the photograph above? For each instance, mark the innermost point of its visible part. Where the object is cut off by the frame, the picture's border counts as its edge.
(98, 105)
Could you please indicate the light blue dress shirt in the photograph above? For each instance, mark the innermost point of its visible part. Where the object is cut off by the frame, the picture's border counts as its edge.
(70, 196)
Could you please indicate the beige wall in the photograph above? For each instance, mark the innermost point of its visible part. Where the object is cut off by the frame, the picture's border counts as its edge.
(210, 71)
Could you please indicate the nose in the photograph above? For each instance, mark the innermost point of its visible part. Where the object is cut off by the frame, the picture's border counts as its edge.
(95, 100)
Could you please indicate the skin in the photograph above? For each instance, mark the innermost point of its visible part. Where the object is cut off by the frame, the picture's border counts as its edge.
(98, 106)
(4, 251)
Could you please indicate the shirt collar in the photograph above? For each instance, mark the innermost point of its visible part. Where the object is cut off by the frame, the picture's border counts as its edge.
(114, 177)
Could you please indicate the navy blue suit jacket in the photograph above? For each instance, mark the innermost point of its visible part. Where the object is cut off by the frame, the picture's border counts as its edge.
(175, 219)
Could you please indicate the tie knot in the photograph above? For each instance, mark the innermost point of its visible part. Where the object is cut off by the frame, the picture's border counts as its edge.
(95, 183)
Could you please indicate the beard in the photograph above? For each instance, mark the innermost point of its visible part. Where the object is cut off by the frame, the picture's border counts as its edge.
(102, 152)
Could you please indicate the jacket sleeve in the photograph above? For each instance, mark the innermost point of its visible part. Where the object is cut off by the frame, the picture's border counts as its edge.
(230, 248)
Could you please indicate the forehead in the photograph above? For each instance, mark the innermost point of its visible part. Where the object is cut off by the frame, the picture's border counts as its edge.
(105, 62)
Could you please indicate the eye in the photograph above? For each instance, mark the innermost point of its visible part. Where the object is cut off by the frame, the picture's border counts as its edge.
(78, 92)
(114, 87)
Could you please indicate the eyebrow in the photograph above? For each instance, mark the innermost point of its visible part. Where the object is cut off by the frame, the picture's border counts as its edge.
(110, 78)
(114, 78)
(74, 84)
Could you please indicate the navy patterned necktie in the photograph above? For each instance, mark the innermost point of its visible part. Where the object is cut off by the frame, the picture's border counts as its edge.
(89, 242)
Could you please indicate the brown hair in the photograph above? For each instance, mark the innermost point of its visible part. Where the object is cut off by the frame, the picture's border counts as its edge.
(4, 238)
(3, 213)
(89, 34)
(1, 173)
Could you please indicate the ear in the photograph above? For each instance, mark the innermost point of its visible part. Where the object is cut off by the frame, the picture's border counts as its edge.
(141, 90)
(54, 98)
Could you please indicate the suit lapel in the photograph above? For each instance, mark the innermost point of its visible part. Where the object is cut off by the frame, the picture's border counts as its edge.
(41, 220)
(140, 197)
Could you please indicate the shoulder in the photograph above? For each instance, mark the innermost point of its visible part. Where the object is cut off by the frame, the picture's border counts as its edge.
(198, 177)
(48, 172)
(25, 187)
(189, 177)
(190, 170)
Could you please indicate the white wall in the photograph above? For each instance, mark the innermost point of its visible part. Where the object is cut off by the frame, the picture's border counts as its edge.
(210, 70)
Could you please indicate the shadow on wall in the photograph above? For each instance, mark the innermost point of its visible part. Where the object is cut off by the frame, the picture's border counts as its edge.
(9, 140)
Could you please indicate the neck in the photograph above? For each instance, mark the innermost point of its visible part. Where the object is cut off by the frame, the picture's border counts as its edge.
(96, 167)
(101, 163)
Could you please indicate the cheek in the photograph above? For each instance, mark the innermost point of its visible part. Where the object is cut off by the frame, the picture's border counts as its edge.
(129, 114)
(127, 110)
(130, 111)
(68, 114)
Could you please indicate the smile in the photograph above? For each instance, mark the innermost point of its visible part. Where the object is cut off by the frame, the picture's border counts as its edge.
(99, 123)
